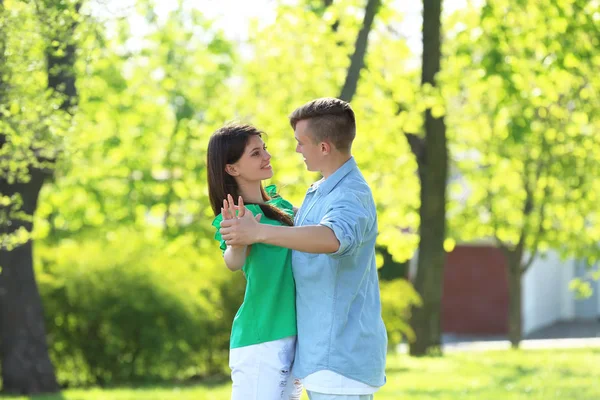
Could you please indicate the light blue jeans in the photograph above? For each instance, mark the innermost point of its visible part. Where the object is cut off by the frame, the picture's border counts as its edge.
(322, 396)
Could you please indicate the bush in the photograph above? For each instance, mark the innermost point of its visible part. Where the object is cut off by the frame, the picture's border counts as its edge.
(397, 299)
(130, 308)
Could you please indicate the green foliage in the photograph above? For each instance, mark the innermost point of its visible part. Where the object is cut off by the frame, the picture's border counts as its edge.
(523, 117)
(518, 87)
(128, 307)
(30, 123)
(397, 299)
(582, 287)
(299, 58)
(32, 127)
(146, 112)
(129, 304)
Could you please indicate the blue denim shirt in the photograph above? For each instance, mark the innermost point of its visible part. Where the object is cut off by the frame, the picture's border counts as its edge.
(337, 295)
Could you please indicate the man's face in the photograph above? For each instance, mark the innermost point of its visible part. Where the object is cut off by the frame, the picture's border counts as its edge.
(311, 152)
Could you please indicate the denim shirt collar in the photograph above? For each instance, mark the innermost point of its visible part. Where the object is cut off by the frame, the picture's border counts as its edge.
(325, 186)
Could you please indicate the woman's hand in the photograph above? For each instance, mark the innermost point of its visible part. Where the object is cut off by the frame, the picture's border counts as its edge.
(229, 212)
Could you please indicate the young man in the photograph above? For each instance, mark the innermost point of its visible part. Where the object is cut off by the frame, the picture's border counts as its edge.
(342, 342)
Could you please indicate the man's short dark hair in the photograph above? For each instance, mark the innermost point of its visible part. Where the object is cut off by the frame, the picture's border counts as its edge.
(330, 119)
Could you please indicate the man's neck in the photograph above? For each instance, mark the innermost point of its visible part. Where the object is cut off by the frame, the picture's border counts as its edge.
(334, 164)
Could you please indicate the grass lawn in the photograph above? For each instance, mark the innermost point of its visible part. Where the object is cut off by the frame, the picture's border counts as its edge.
(502, 375)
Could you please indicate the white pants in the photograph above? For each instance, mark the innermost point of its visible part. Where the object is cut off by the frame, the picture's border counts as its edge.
(263, 371)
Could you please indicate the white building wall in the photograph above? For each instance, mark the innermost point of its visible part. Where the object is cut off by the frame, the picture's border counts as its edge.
(546, 294)
(598, 289)
(567, 310)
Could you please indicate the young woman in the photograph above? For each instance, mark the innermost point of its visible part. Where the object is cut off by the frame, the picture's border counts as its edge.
(263, 335)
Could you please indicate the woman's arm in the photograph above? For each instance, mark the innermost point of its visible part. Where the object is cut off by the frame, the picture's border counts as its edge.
(235, 257)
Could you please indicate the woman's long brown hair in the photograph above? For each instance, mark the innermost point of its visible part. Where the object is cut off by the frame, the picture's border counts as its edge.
(226, 146)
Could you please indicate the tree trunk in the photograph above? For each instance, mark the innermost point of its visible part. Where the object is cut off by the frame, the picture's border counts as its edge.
(515, 319)
(357, 61)
(433, 173)
(26, 366)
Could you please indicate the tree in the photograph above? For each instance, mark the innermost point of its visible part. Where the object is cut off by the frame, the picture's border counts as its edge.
(390, 268)
(138, 134)
(146, 113)
(524, 116)
(27, 163)
(301, 58)
(431, 153)
(357, 61)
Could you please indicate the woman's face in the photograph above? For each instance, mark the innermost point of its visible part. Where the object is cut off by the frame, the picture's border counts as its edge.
(254, 165)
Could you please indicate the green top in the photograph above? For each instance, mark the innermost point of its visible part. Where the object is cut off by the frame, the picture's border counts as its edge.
(269, 308)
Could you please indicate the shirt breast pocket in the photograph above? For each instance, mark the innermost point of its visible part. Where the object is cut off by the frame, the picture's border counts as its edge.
(306, 268)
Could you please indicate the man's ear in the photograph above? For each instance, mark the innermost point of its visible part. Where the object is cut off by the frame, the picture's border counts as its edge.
(325, 148)
(231, 170)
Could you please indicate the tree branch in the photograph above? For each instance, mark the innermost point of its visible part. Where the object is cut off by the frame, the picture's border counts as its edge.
(357, 61)
(540, 232)
(417, 146)
(540, 168)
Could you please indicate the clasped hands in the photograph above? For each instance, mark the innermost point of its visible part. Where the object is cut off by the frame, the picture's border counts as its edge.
(241, 230)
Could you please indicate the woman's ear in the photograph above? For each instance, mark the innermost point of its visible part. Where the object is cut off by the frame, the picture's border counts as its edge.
(231, 170)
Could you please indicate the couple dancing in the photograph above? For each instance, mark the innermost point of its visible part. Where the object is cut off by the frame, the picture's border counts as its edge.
(311, 315)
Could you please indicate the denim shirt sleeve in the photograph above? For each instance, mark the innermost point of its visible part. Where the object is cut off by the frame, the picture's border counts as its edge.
(349, 220)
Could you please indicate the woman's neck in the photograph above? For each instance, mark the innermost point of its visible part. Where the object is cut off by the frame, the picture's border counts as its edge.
(251, 192)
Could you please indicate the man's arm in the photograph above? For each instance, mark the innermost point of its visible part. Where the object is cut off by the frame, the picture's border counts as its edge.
(315, 239)
(246, 230)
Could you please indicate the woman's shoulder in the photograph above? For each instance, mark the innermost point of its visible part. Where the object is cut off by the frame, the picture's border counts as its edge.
(277, 200)
(217, 221)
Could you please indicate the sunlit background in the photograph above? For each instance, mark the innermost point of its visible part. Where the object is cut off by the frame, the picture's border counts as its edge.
(111, 283)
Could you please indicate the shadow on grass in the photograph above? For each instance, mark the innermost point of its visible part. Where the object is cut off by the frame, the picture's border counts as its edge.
(190, 383)
(517, 373)
(212, 382)
(54, 396)
(207, 383)
(396, 370)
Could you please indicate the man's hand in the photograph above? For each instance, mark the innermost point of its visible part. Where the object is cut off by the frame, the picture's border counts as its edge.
(242, 230)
